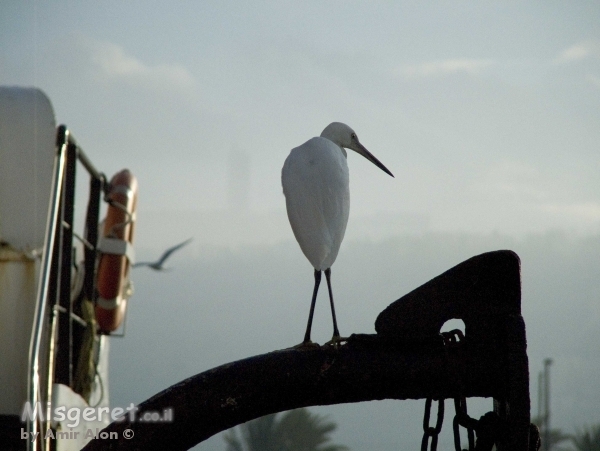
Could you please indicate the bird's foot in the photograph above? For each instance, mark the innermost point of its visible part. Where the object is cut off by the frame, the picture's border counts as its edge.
(306, 345)
(336, 341)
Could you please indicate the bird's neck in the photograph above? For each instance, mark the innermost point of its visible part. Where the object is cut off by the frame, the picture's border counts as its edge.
(334, 141)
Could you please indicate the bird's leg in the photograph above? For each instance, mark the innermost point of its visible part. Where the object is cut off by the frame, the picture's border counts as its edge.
(336, 333)
(312, 306)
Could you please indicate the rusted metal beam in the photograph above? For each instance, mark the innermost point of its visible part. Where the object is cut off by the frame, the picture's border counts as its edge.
(406, 359)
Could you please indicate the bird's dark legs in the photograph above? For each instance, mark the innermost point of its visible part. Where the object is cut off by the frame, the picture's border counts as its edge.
(336, 339)
(336, 332)
(312, 305)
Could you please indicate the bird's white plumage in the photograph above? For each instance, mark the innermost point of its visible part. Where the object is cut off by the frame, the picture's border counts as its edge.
(315, 184)
(317, 195)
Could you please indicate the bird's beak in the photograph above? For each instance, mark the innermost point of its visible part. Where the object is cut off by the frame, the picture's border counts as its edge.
(359, 148)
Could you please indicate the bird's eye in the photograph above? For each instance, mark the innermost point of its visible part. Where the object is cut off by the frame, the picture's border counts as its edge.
(353, 136)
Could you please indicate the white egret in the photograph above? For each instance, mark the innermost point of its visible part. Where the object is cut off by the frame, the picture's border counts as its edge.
(158, 264)
(317, 196)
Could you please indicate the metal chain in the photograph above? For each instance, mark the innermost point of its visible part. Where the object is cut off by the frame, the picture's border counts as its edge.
(454, 337)
(452, 340)
(429, 431)
(462, 418)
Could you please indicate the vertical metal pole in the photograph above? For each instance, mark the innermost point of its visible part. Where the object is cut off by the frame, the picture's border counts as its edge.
(33, 385)
(547, 363)
(540, 397)
(64, 354)
(52, 296)
(91, 235)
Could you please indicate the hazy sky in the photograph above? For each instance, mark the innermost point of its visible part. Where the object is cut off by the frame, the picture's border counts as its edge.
(486, 112)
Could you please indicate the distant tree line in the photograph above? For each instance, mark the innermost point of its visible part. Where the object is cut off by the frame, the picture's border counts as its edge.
(295, 430)
(585, 439)
(301, 430)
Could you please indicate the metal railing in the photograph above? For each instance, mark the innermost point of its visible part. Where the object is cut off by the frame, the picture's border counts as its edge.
(54, 287)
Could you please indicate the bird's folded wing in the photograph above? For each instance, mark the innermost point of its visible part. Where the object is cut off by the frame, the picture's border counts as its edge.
(315, 184)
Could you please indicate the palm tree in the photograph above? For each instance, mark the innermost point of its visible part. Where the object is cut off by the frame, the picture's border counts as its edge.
(295, 430)
(258, 435)
(587, 439)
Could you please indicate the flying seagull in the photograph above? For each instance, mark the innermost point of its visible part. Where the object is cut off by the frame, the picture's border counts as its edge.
(317, 196)
(158, 264)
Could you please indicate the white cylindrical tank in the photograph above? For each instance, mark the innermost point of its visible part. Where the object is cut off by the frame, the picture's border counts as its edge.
(27, 148)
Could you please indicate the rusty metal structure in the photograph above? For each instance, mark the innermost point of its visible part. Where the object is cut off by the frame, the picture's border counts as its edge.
(407, 358)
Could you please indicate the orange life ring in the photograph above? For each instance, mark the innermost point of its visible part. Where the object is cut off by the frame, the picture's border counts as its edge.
(116, 251)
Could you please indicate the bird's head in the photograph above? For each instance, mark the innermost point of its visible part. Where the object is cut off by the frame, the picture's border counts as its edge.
(342, 135)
